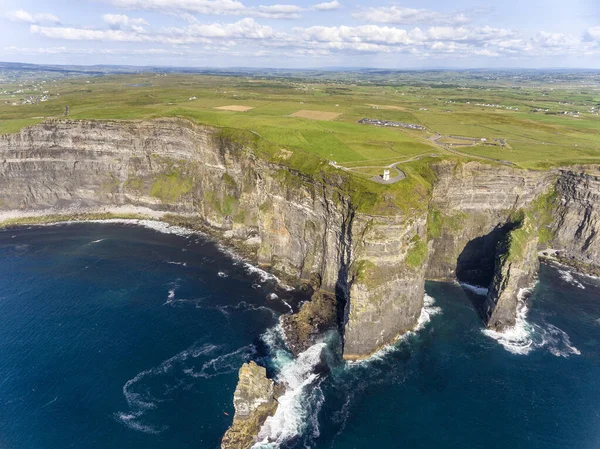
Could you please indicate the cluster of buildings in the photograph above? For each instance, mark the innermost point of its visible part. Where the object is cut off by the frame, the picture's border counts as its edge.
(497, 106)
(370, 121)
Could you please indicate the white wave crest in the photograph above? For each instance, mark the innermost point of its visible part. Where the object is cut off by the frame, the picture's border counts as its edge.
(300, 402)
(478, 290)
(428, 310)
(525, 337)
(518, 338)
(263, 275)
(97, 241)
(568, 277)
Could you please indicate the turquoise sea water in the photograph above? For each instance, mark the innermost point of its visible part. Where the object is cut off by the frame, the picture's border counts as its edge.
(118, 336)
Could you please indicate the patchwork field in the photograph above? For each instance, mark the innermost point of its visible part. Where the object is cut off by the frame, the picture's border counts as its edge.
(235, 108)
(314, 114)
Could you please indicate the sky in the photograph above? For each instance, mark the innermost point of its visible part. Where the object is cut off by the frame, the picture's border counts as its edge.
(303, 34)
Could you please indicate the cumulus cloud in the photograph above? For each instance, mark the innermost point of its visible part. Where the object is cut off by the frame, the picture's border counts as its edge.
(328, 6)
(400, 15)
(245, 29)
(21, 15)
(120, 21)
(556, 40)
(212, 7)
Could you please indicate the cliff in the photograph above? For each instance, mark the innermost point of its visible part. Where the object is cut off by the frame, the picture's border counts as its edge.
(307, 224)
(296, 224)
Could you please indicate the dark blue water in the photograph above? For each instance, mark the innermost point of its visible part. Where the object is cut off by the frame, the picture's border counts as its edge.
(116, 336)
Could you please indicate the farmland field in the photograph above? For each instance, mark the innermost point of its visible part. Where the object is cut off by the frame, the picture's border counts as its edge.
(539, 125)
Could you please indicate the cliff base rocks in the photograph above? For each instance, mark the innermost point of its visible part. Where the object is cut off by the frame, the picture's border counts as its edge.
(303, 329)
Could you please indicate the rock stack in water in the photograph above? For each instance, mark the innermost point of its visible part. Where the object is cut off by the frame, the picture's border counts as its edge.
(255, 399)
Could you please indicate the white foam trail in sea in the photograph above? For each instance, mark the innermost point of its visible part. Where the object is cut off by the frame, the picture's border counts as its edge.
(525, 337)
(193, 362)
(518, 338)
(478, 290)
(568, 277)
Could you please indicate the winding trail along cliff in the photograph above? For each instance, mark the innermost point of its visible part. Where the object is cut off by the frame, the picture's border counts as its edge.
(298, 225)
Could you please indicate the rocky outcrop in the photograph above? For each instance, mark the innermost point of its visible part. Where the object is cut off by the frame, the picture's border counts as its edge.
(516, 267)
(254, 400)
(315, 317)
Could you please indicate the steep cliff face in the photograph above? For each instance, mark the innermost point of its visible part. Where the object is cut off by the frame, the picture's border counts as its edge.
(577, 211)
(386, 281)
(472, 203)
(295, 224)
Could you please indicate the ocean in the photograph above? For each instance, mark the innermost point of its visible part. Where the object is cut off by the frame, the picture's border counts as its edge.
(115, 335)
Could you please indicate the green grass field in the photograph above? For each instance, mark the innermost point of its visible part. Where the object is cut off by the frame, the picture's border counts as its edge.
(533, 139)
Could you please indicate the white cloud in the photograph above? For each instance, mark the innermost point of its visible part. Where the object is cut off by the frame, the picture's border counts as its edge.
(401, 15)
(37, 51)
(328, 6)
(21, 15)
(211, 7)
(593, 33)
(120, 21)
(245, 29)
(555, 40)
(85, 34)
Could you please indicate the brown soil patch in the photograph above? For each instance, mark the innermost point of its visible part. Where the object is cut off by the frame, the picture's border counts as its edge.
(316, 115)
(235, 107)
(387, 107)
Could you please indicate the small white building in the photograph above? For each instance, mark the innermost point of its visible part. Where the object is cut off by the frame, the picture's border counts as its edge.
(386, 175)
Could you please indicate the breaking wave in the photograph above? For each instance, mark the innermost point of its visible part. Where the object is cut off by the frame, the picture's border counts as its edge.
(525, 337)
(568, 277)
(300, 404)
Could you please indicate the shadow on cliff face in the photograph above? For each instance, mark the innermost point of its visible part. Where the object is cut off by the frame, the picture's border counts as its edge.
(475, 265)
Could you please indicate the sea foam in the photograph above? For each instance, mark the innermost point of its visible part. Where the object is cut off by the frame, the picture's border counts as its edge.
(525, 337)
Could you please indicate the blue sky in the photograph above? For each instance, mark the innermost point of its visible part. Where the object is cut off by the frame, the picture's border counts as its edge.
(303, 34)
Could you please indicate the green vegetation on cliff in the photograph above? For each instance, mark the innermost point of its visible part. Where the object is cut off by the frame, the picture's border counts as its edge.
(417, 253)
(172, 186)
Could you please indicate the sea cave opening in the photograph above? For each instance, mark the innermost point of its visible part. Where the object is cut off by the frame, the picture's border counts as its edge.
(475, 265)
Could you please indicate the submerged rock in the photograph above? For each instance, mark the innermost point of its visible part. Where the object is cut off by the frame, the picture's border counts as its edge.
(303, 329)
(254, 400)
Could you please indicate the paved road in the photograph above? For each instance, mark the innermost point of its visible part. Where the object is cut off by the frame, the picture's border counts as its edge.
(436, 137)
